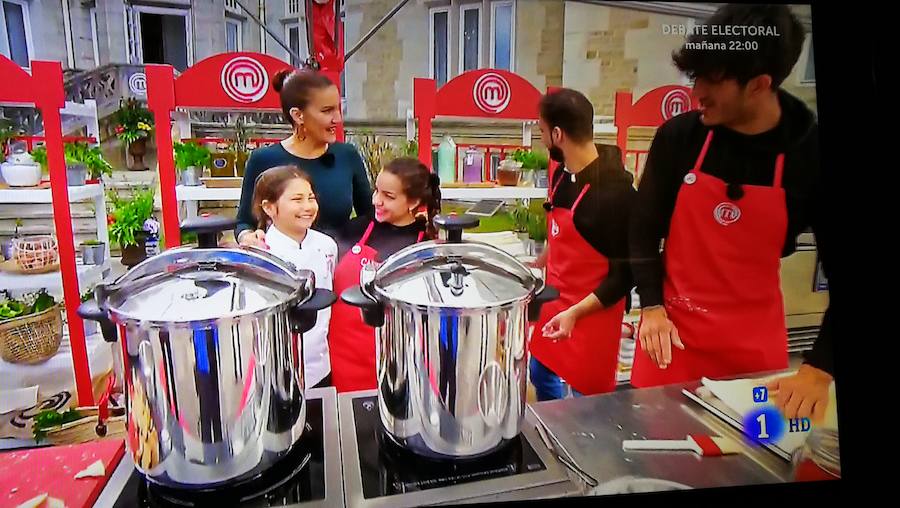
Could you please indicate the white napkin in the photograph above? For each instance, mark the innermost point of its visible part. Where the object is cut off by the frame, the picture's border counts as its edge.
(738, 396)
(20, 398)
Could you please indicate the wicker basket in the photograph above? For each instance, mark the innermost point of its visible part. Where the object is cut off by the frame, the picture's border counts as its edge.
(31, 339)
(35, 253)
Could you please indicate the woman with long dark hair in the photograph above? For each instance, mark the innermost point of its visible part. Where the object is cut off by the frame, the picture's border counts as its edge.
(407, 197)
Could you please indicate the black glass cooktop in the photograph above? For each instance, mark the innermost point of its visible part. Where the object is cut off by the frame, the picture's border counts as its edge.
(387, 469)
(298, 478)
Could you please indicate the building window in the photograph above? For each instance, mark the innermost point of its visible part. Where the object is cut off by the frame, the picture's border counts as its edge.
(809, 72)
(233, 35)
(293, 7)
(295, 33)
(503, 35)
(439, 43)
(469, 37)
(17, 24)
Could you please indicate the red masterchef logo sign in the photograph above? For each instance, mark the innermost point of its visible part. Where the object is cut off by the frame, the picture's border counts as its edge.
(491, 93)
(675, 103)
(244, 79)
(727, 214)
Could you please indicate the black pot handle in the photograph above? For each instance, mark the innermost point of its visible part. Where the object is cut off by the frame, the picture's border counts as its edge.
(90, 311)
(208, 228)
(547, 294)
(303, 316)
(454, 224)
(372, 310)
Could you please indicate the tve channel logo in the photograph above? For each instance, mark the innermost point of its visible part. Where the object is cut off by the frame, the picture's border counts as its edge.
(765, 424)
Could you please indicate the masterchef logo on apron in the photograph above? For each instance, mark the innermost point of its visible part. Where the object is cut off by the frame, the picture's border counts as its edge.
(554, 228)
(727, 214)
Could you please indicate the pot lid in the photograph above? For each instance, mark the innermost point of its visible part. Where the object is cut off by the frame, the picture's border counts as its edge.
(185, 284)
(467, 275)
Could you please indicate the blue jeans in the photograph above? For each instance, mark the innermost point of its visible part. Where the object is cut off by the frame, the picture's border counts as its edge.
(547, 385)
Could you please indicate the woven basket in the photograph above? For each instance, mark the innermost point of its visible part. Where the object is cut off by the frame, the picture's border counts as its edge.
(35, 253)
(31, 339)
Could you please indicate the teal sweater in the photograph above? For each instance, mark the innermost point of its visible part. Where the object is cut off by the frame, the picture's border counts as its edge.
(339, 178)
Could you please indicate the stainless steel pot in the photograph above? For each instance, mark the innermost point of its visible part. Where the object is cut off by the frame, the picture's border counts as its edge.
(213, 358)
(452, 342)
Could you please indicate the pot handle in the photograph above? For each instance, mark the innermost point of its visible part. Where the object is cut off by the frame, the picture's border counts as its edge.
(91, 311)
(372, 311)
(208, 228)
(546, 294)
(303, 316)
(454, 224)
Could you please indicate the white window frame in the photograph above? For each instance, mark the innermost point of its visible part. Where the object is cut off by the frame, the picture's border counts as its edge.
(807, 45)
(431, 63)
(137, 9)
(26, 18)
(94, 36)
(232, 8)
(300, 8)
(512, 32)
(301, 26)
(239, 23)
(462, 32)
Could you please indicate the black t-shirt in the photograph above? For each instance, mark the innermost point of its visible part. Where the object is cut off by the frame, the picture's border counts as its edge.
(737, 159)
(602, 216)
(385, 238)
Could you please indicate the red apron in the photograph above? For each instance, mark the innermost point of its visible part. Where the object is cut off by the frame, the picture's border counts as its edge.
(722, 287)
(351, 342)
(586, 360)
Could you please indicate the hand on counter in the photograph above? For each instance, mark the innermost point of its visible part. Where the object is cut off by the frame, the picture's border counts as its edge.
(253, 239)
(657, 335)
(802, 395)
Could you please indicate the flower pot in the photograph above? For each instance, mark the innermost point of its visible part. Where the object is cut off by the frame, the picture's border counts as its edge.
(93, 254)
(134, 254)
(7, 249)
(137, 149)
(538, 247)
(21, 175)
(541, 178)
(76, 174)
(240, 162)
(190, 176)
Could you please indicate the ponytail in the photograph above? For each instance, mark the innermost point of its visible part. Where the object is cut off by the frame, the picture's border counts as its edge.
(421, 184)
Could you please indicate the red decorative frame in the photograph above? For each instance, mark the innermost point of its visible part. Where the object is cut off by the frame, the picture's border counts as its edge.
(240, 81)
(482, 93)
(651, 110)
(44, 89)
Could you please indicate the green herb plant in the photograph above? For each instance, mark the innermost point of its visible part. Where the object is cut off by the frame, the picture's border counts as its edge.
(191, 154)
(28, 304)
(127, 216)
(77, 153)
(50, 418)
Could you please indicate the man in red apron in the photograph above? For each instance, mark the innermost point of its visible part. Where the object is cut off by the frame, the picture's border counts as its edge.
(576, 338)
(728, 188)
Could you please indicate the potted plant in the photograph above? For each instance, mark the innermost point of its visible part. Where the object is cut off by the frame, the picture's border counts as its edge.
(375, 152)
(84, 163)
(134, 123)
(537, 231)
(93, 252)
(90, 326)
(190, 159)
(242, 147)
(126, 223)
(535, 164)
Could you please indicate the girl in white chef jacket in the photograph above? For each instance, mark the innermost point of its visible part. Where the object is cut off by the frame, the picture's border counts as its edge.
(285, 206)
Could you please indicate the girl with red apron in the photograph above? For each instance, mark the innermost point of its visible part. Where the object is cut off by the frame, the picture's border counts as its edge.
(587, 359)
(351, 342)
(722, 289)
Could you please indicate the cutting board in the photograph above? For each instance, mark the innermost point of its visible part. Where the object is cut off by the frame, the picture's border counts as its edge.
(35, 471)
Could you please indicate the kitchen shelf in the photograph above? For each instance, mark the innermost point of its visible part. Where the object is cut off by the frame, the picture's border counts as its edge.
(12, 195)
(87, 275)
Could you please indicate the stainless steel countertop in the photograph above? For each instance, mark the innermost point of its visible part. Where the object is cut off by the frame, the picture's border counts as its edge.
(591, 430)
